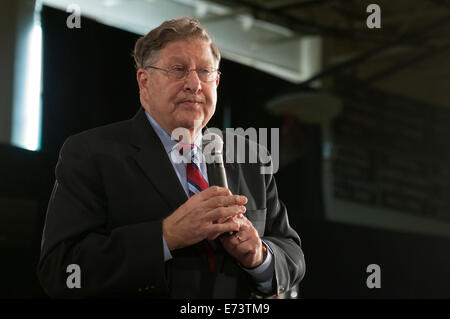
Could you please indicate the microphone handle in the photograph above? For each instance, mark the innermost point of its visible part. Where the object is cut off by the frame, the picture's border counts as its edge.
(216, 175)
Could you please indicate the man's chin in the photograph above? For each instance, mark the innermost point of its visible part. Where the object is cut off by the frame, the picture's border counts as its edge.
(191, 124)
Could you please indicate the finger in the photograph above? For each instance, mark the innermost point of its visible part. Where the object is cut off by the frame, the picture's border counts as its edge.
(200, 198)
(213, 191)
(246, 225)
(236, 218)
(224, 212)
(218, 229)
(250, 234)
(238, 239)
(223, 201)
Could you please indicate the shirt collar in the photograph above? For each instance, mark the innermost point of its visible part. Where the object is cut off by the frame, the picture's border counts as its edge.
(168, 143)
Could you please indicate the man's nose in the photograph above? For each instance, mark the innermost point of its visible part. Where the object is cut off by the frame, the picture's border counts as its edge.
(192, 82)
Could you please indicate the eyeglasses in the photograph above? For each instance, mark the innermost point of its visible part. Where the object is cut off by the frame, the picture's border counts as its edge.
(178, 72)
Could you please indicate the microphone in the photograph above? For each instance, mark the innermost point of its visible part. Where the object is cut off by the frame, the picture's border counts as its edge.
(212, 148)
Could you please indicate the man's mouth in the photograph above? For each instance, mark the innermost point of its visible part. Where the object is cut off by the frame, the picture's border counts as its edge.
(191, 101)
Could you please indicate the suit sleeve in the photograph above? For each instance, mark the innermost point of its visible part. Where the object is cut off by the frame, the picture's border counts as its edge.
(289, 261)
(122, 260)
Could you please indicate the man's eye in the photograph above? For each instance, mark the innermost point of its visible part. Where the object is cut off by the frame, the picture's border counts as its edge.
(179, 68)
(204, 71)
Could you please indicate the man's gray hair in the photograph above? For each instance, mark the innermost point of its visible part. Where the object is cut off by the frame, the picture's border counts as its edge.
(147, 48)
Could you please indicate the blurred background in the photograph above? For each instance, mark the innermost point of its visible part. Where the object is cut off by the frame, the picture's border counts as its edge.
(362, 105)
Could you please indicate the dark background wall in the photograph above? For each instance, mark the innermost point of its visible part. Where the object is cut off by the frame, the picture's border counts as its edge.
(89, 80)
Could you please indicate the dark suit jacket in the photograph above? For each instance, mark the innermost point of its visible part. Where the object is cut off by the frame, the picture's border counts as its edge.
(114, 186)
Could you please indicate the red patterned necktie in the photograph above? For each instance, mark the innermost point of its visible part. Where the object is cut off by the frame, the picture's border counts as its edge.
(197, 183)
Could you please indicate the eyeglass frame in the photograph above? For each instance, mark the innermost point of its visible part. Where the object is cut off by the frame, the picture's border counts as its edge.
(186, 73)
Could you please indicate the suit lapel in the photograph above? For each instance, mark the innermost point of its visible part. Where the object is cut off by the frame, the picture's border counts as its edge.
(154, 161)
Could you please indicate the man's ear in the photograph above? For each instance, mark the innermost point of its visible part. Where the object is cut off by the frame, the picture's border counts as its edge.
(142, 78)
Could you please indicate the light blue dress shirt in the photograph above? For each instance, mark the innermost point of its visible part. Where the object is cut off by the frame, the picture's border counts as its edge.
(263, 274)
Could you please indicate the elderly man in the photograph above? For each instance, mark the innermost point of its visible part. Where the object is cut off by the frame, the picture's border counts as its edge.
(127, 219)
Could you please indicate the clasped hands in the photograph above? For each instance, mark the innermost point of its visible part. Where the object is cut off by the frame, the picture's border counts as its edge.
(209, 214)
